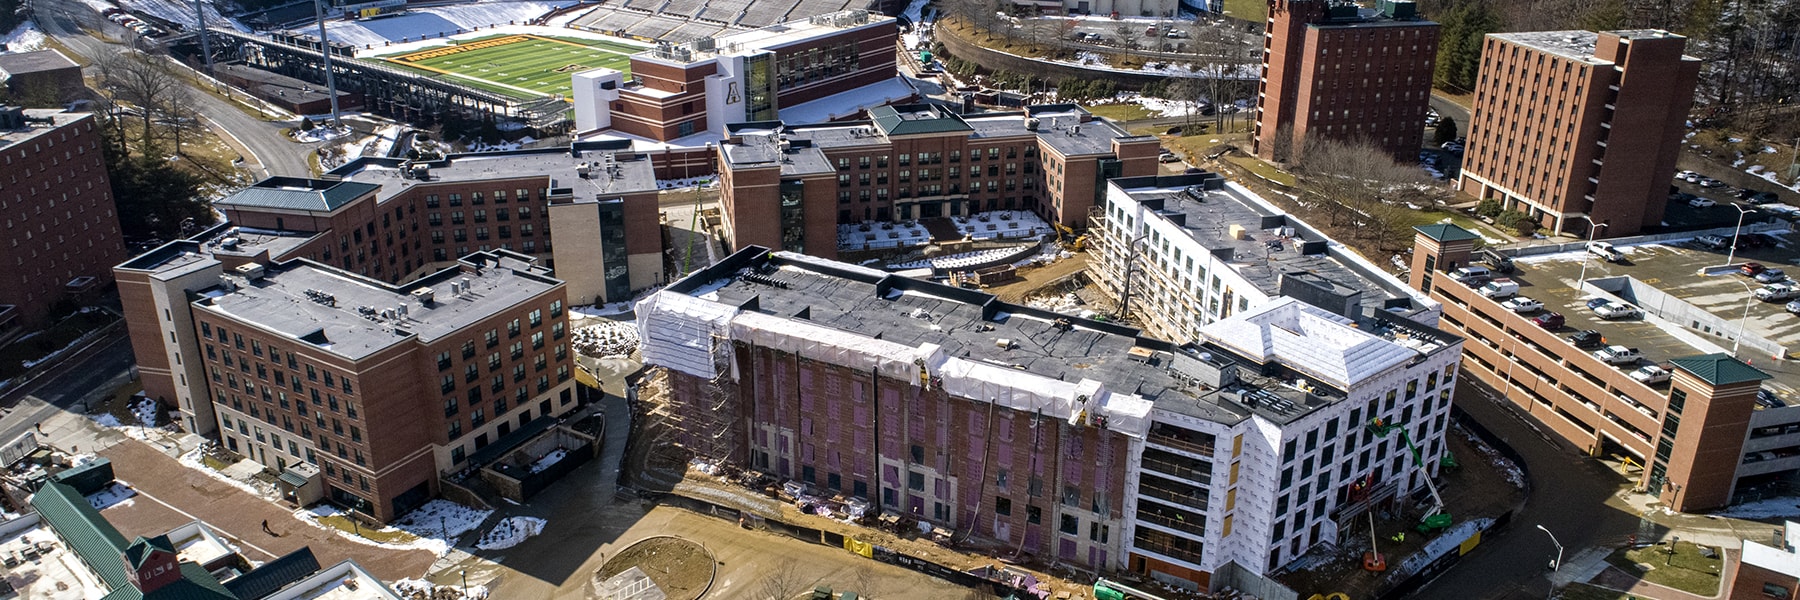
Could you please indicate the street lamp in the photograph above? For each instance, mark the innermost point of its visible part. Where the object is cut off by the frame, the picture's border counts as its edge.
(1557, 565)
(1749, 298)
(1729, 256)
(1593, 228)
(465, 581)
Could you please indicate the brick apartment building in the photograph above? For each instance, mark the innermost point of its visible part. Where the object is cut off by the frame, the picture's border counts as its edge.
(61, 223)
(676, 91)
(1700, 437)
(295, 362)
(1767, 571)
(1335, 70)
(1548, 106)
(395, 220)
(1201, 249)
(1058, 436)
(789, 186)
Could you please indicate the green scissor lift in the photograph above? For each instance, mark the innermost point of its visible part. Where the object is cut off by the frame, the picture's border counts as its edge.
(1435, 518)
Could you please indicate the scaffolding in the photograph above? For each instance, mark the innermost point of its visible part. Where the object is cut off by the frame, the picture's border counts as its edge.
(708, 425)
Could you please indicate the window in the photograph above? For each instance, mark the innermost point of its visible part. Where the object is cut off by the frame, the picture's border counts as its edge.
(1003, 506)
(1775, 590)
(1033, 514)
(915, 481)
(1070, 525)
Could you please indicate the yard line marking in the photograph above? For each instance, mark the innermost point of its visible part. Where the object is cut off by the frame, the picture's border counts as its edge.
(241, 540)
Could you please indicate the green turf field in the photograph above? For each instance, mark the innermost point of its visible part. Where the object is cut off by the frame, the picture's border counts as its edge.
(526, 69)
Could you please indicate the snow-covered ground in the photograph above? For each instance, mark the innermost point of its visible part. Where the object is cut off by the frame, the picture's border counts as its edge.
(1787, 507)
(320, 133)
(510, 532)
(500, 146)
(24, 38)
(434, 526)
(438, 21)
(703, 182)
(871, 235)
(1001, 224)
(602, 310)
(193, 461)
(113, 495)
(955, 262)
(555, 456)
(145, 410)
(419, 588)
(610, 338)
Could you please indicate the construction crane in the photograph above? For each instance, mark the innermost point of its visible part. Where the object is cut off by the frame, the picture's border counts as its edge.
(1435, 518)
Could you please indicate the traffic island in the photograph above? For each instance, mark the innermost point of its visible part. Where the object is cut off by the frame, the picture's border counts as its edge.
(680, 569)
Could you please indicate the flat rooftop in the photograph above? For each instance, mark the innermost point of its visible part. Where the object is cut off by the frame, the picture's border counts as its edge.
(178, 257)
(287, 300)
(46, 120)
(561, 167)
(21, 63)
(1576, 44)
(1059, 126)
(771, 37)
(1264, 254)
(977, 327)
(1673, 269)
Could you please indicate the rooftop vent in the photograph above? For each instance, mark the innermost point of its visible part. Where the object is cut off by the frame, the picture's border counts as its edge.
(251, 271)
(424, 295)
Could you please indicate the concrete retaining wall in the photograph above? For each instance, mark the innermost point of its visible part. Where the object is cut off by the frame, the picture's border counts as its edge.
(1238, 578)
(994, 60)
(1548, 248)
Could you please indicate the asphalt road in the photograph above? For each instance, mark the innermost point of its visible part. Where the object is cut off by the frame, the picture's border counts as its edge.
(69, 22)
(1571, 495)
(1450, 109)
(98, 369)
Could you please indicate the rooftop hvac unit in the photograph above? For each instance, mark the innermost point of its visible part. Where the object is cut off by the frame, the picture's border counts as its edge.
(1031, 123)
(424, 295)
(583, 170)
(251, 271)
(704, 44)
(400, 311)
(465, 285)
(230, 243)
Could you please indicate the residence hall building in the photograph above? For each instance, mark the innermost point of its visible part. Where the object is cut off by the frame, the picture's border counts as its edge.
(1702, 438)
(1549, 104)
(1332, 69)
(61, 226)
(395, 220)
(1766, 571)
(1055, 435)
(315, 371)
(789, 186)
(1200, 248)
(814, 69)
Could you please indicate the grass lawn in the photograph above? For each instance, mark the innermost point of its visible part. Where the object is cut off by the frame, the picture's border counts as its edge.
(1582, 591)
(532, 67)
(1249, 10)
(1120, 112)
(1687, 571)
(394, 536)
(1264, 169)
(13, 355)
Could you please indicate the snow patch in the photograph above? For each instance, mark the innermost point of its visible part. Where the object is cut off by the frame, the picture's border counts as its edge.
(193, 460)
(602, 310)
(511, 531)
(438, 21)
(24, 38)
(116, 494)
(1773, 508)
(419, 588)
(612, 338)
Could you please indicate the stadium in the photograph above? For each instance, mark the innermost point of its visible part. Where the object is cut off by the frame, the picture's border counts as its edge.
(522, 66)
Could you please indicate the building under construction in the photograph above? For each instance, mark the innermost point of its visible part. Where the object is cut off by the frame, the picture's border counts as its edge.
(1071, 440)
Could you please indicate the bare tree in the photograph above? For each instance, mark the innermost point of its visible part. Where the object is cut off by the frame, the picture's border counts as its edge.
(864, 581)
(145, 82)
(784, 581)
(1359, 186)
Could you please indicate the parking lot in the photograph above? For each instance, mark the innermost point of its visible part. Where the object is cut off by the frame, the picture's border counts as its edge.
(1552, 279)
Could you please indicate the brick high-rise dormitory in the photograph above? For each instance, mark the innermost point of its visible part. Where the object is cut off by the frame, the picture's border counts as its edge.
(1571, 124)
(61, 224)
(1334, 70)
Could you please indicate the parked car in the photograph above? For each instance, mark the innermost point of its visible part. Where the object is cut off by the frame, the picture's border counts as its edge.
(1618, 355)
(1683, 175)
(1771, 276)
(1751, 269)
(1500, 288)
(1712, 242)
(1692, 177)
(1698, 202)
(1769, 399)
(1761, 198)
(1605, 250)
(1549, 320)
(1472, 275)
(1588, 339)
(1168, 157)
(1793, 307)
(1614, 312)
(1650, 374)
(1778, 292)
(1597, 302)
(1522, 305)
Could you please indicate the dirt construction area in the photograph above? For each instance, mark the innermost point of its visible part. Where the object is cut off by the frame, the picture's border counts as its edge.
(682, 569)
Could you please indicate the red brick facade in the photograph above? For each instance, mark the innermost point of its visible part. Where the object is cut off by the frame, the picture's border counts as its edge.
(1346, 78)
(61, 224)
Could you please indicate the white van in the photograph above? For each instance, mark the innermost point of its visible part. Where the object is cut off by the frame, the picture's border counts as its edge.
(1471, 273)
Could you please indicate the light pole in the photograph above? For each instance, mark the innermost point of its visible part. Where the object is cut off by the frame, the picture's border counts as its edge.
(1729, 256)
(1593, 228)
(1749, 297)
(464, 573)
(1557, 564)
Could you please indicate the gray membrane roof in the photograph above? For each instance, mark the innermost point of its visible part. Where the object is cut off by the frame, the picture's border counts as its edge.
(913, 312)
(279, 302)
(633, 172)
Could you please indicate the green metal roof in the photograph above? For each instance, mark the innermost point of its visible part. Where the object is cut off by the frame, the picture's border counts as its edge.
(84, 530)
(298, 194)
(1719, 369)
(105, 551)
(140, 549)
(916, 120)
(276, 574)
(1445, 232)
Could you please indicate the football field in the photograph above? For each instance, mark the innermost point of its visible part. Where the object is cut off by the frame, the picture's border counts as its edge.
(521, 66)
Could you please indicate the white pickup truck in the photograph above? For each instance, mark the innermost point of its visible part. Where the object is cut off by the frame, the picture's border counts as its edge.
(1618, 355)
